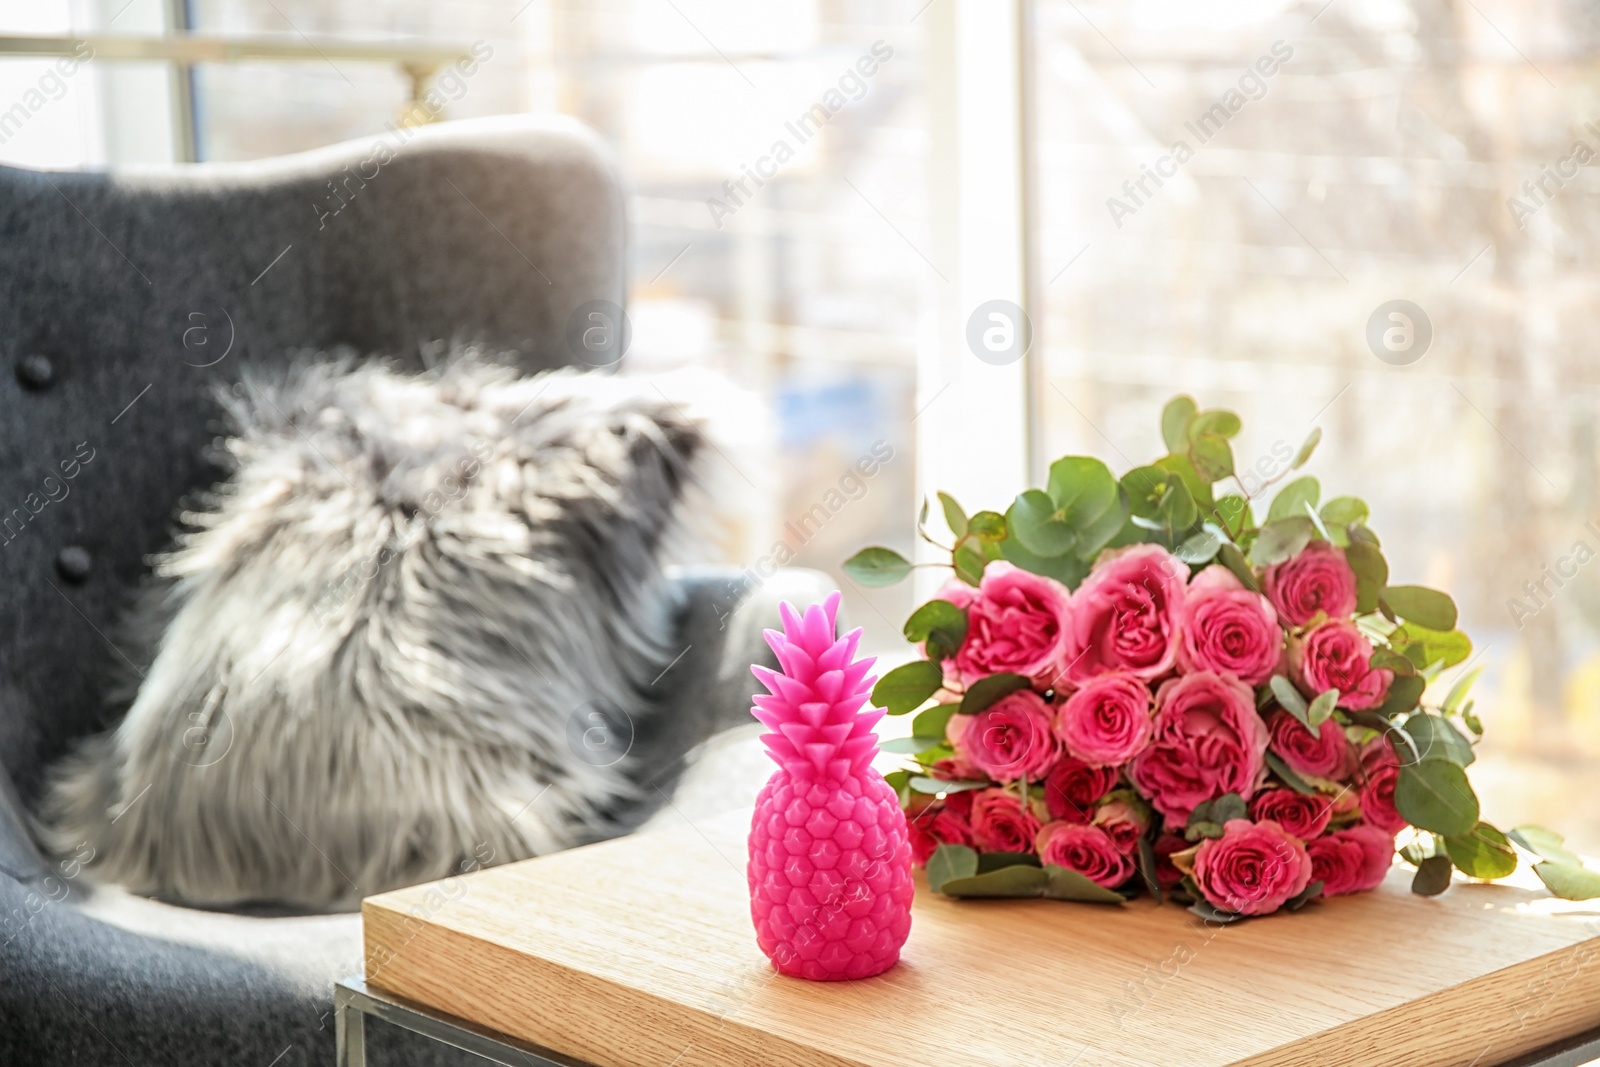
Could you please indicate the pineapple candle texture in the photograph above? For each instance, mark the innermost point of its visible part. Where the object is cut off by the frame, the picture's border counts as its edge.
(830, 859)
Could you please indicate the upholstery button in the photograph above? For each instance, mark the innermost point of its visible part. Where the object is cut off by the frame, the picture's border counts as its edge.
(36, 371)
(73, 564)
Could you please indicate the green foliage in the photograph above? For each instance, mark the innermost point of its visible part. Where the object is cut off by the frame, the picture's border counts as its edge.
(990, 688)
(877, 566)
(1546, 844)
(1418, 604)
(1434, 794)
(1298, 498)
(1281, 539)
(950, 862)
(1434, 737)
(954, 517)
(1567, 881)
(1482, 853)
(1371, 570)
(932, 723)
(1287, 776)
(1313, 439)
(940, 624)
(1175, 419)
(1321, 709)
(1290, 700)
(907, 687)
(1432, 877)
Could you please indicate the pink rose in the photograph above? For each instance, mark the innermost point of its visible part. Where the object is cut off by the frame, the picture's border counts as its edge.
(1377, 797)
(1252, 869)
(1303, 816)
(1224, 627)
(1125, 615)
(1334, 655)
(934, 825)
(1353, 860)
(1018, 622)
(1107, 721)
(1010, 739)
(1073, 788)
(1318, 579)
(1085, 849)
(1124, 822)
(1000, 823)
(1323, 754)
(1208, 741)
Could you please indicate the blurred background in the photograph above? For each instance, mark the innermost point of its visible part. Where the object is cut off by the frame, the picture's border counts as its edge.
(1221, 198)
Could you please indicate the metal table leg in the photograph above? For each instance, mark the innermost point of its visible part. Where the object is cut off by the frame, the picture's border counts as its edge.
(354, 1000)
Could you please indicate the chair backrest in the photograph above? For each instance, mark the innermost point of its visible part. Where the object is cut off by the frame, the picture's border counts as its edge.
(127, 298)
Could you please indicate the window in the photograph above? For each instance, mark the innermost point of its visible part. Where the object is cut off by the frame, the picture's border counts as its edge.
(1315, 163)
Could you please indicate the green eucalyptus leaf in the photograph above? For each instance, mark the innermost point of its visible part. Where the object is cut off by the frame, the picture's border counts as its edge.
(1434, 735)
(993, 861)
(1287, 775)
(1281, 539)
(909, 746)
(899, 781)
(1199, 488)
(1233, 559)
(1546, 844)
(932, 723)
(1015, 881)
(987, 526)
(1343, 510)
(935, 786)
(938, 617)
(1034, 520)
(1295, 499)
(1434, 794)
(1212, 456)
(1175, 419)
(1306, 448)
(1146, 487)
(954, 517)
(1223, 423)
(1404, 694)
(1371, 570)
(1321, 709)
(1432, 877)
(1098, 533)
(1484, 853)
(1418, 604)
(1082, 488)
(1425, 647)
(951, 861)
(1458, 691)
(1206, 911)
(1290, 700)
(1200, 549)
(877, 566)
(1069, 570)
(986, 690)
(1064, 884)
(1389, 660)
(969, 560)
(1567, 881)
(907, 687)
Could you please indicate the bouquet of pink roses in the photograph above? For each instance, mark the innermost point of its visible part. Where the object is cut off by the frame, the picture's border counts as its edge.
(1135, 684)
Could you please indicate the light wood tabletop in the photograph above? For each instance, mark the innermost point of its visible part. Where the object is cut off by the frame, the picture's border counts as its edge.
(639, 952)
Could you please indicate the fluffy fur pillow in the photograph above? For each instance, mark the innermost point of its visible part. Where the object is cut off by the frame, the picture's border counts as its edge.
(408, 634)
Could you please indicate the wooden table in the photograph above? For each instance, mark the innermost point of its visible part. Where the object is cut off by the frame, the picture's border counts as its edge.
(639, 953)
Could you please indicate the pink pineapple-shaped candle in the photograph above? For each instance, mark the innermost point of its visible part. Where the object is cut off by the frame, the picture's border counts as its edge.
(830, 860)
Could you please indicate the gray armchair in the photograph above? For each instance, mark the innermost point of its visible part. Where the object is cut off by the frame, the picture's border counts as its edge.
(125, 299)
